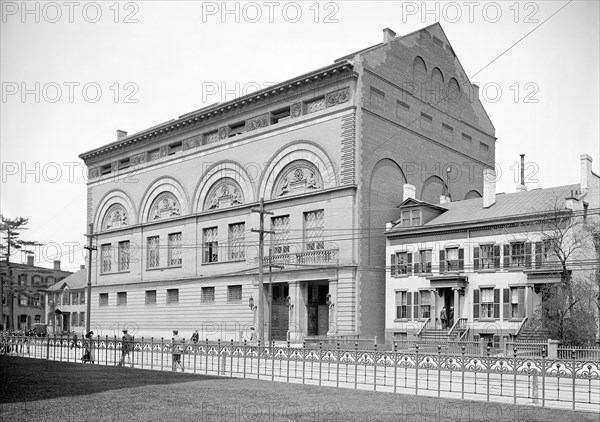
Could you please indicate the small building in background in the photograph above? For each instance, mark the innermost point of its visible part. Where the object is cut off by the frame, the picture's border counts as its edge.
(65, 304)
(25, 293)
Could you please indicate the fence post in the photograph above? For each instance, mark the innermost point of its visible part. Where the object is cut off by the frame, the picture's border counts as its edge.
(574, 371)
(287, 376)
(245, 352)
(395, 365)
(552, 349)
(543, 377)
(416, 369)
(151, 352)
(320, 361)
(515, 375)
(440, 369)
(273, 360)
(230, 362)
(488, 372)
(374, 365)
(463, 365)
(356, 365)
(337, 376)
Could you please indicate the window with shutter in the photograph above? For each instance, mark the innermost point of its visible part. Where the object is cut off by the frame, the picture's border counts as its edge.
(442, 261)
(538, 254)
(461, 259)
(496, 313)
(476, 304)
(497, 257)
(475, 258)
(425, 304)
(487, 303)
(506, 304)
(408, 305)
(393, 265)
(404, 263)
(506, 256)
(416, 308)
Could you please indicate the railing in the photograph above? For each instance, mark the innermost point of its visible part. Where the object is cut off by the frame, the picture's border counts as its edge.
(320, 256)
(558, 383)
(459, 324)
(581, 353)
(521, 325)
(526, 348)
(424, 326)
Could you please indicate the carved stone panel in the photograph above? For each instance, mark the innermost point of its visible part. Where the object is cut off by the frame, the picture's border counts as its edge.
(93, 172)
(191, 143)
(224, 194)
(296, 110)
(164, 150)
(138, 159)
(223, 132)
(164, 206)
(298, 177)
(116, 217)
(258, 122)
(337, 97)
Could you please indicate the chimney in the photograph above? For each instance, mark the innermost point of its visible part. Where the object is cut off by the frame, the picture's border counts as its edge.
(82, 267)
(389, 225)
(521, 186)
(585, 171)
(409, 191)
(489, 187)
(121, 134)
(388, 35)
(57, 264)
(30, 260)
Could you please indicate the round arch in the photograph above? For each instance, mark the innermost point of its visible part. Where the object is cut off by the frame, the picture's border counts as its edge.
(294, 151)
(419, 69)
(168, 187)
(217, 172)
(112, 199)
(472, 194)
(433, 188)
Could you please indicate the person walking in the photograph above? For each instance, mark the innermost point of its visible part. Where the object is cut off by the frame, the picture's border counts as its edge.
(89, 354)
(126, 347)
(177, 350)
(195, 337)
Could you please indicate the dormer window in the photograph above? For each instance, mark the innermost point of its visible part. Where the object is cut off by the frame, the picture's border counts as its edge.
(411, 218)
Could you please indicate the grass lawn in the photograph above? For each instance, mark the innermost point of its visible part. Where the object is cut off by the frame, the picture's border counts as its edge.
(40, 390)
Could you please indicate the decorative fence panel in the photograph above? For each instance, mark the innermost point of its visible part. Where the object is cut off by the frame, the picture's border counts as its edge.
(566, 382)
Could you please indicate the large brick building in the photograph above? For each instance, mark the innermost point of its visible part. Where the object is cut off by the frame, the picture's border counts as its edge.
(329, 151)
(25, 293)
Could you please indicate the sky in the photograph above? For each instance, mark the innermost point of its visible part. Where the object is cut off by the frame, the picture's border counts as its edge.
(73, 73)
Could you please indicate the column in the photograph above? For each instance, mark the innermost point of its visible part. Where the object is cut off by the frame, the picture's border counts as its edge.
(432, 299)
(456, 303)
(529, 301)
(295, 323)
(333, 328)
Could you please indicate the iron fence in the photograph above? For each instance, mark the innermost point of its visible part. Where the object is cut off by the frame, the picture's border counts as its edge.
(565, 382)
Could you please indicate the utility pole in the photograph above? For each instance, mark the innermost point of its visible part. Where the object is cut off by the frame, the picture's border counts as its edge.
(261, 243)
(271, 266)
(90, 247)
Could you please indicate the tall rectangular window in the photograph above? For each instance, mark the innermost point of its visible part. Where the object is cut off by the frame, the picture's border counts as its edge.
(234, 294)
(103, 299)
(401, 305)
(281, 238)
(175, 249)
(153, 252)
(82, 298)
(236, 242)
(150, 297)
(425, 304)
(211, 244)
(172, 295)
(424, 261)
(313, 230)
(105, 258)
(121, 298)
(486, 260)
(82, 318)
(487, 303)
(208, 295)
(517, 254)
(124, 255)
(404, 263)
(75, 298)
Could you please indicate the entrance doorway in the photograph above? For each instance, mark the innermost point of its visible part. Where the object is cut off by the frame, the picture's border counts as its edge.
(317, 309)
(280, 312)
(447, 295)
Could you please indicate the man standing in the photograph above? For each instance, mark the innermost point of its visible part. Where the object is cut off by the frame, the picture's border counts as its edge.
(176, 350)
(444, 318)
(126, 347)
(195, 337)
(451, 317)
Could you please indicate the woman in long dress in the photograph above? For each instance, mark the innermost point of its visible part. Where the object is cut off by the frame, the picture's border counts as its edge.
(90, 351)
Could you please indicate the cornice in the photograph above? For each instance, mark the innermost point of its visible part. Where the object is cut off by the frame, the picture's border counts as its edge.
(203, 115)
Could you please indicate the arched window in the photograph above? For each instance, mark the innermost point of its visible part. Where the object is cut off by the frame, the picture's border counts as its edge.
(453, 91)
(419, 69)
(299, 176)
(164, 206)
(115, 217)
(224, 194)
